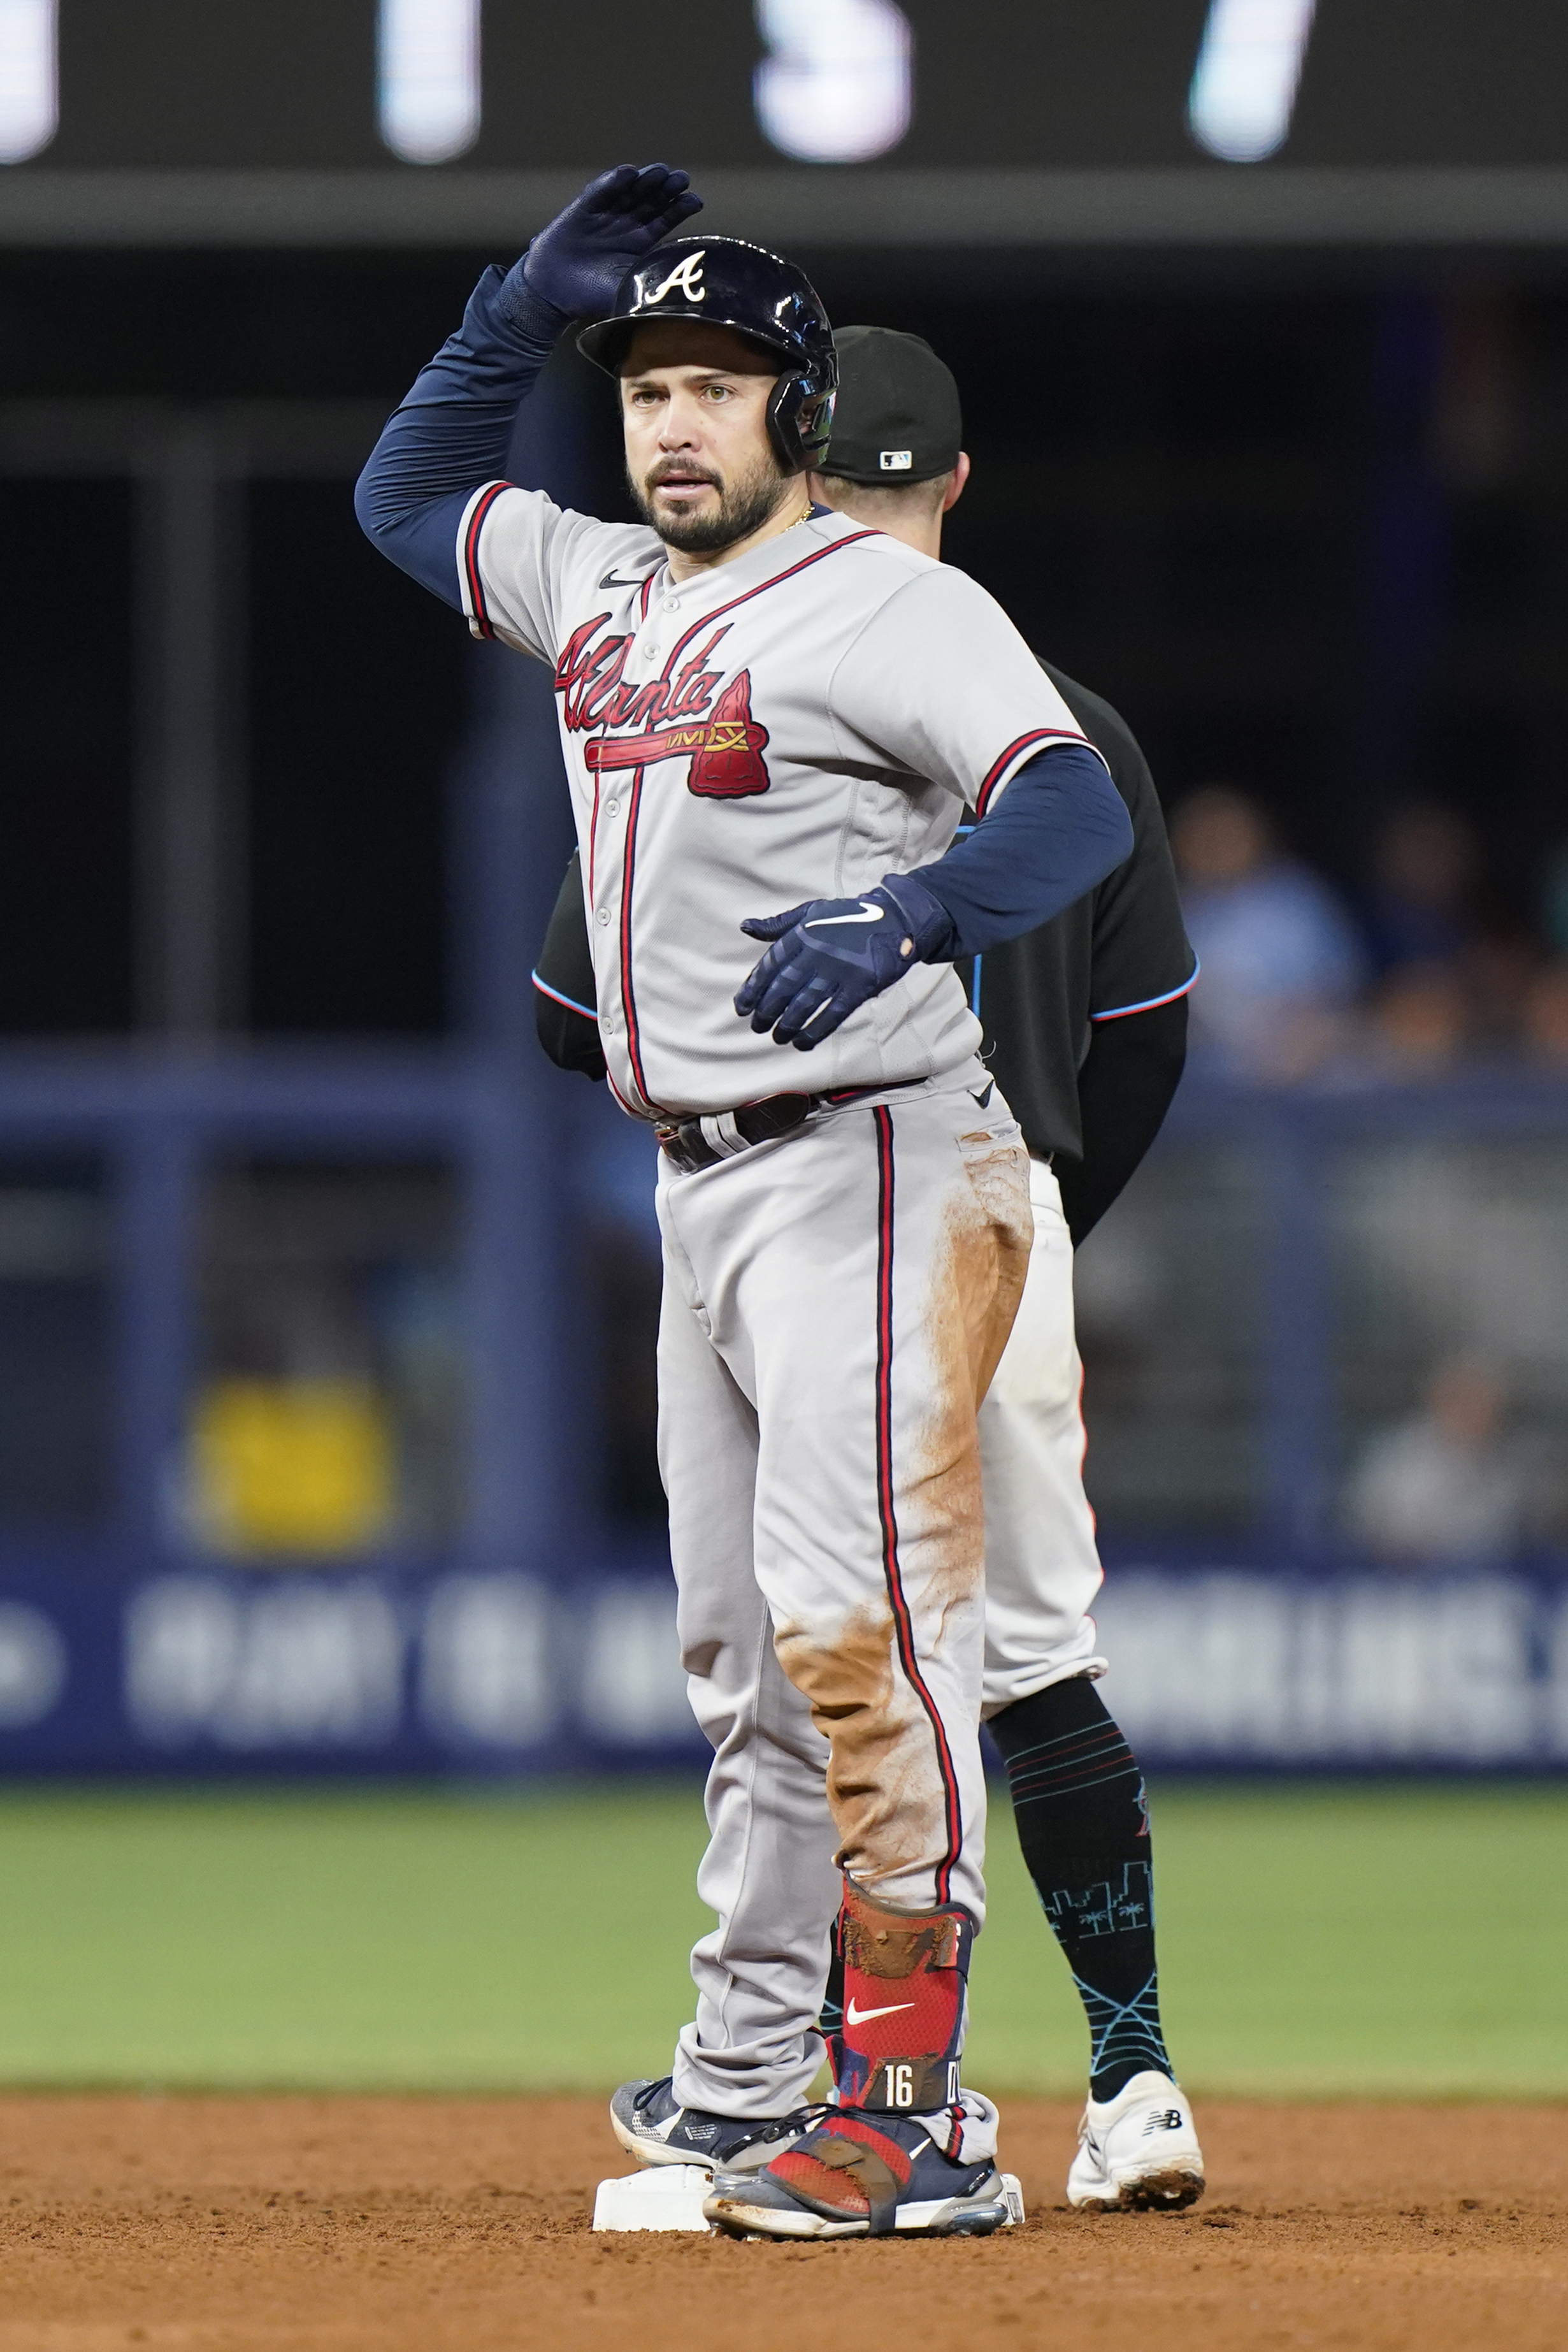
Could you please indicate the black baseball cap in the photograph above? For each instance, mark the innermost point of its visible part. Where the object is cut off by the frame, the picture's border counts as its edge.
(896, 418)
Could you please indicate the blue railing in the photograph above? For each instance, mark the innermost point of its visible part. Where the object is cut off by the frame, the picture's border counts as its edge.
(156, 1121)
(1294, 1143)
(540, 1638)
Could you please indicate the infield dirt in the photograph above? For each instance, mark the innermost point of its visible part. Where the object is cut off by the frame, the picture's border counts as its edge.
(462, 2225)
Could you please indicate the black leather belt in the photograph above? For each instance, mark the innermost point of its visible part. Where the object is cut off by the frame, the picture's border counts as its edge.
(694, 1143)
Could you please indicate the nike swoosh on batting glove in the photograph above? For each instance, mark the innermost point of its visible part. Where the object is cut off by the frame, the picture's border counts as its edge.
(830, 956)
(577, 263)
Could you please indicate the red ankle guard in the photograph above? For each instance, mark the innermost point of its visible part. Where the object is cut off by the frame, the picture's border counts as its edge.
(905, 1974)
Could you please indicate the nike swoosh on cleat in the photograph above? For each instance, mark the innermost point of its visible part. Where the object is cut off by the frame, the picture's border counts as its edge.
(853, 2016)
(869, 914)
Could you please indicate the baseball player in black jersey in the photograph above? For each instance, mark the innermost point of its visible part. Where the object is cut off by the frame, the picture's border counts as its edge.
(1085, 1026)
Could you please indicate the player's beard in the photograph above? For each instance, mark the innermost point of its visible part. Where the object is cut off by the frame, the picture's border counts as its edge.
(745, 504)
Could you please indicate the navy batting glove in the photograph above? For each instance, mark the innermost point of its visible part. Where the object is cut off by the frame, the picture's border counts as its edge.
(833, 955)
(578, 262)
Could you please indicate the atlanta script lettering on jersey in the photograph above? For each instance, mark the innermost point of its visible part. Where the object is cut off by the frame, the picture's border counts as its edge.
(673, 718)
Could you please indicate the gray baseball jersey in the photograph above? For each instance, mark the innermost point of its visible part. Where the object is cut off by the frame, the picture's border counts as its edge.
(790, 726)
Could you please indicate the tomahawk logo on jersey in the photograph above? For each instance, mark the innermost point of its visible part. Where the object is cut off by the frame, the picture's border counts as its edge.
(726, 752)
(725, 749)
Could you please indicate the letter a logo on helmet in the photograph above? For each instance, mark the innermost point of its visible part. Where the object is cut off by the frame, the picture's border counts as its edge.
(687, 275)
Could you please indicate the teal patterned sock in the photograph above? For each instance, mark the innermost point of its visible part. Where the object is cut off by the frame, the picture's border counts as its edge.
(1083, 1826)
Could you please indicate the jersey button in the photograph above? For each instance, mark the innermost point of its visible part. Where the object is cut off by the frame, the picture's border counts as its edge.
(672, 605)
(603, 916)
(611, 808)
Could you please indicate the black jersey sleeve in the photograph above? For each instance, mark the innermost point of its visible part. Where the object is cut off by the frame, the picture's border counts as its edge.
(1139, 953)
(565, 1007)
(1119, 949)
(1124, 1089)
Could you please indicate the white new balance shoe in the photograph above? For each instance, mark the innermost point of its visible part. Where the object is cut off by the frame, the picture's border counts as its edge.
(1138, 2152)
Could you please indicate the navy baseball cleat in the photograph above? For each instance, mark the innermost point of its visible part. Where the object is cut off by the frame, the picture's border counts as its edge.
(651, 2124)
(857, 2175)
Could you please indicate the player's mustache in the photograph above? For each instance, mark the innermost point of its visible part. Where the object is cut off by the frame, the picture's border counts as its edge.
(673, 468)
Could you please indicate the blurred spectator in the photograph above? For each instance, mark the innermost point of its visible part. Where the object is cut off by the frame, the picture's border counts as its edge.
(1544, 1028)
(1280, 959)
(1424, 869)
(1451, 1484)
(1500, 968)
(1418, 1022)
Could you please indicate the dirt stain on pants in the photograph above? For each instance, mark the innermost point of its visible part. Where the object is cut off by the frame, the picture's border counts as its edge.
(885, 1784)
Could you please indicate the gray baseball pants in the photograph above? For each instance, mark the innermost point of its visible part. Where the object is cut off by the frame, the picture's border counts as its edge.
(835, 1304)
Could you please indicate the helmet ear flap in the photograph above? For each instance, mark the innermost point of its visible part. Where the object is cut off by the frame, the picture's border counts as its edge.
(799, 419)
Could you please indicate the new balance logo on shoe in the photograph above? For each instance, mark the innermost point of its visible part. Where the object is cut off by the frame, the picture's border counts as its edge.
(1163, 2119)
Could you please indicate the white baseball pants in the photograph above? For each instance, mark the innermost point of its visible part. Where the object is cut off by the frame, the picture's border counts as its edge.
(1042, 1570)
(835, 1304)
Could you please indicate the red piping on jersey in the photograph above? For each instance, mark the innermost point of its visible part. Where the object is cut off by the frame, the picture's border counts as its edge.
(761, 589)
(1152, 1004)
(592, 843)
(1035, 735)
(647, 590)
(903, 1629)
(628, 998)
(480, 615)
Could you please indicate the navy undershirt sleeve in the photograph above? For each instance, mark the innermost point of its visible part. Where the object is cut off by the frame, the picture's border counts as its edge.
(451, 435)
(1060, 828)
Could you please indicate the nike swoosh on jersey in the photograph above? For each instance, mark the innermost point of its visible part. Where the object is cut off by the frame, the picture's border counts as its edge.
(610, 581)
(853, 2016)
(869, 914)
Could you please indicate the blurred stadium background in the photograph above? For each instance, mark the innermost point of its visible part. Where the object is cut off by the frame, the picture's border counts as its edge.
(327, 1306)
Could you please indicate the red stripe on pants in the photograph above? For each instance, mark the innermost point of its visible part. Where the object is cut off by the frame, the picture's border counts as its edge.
(903, 1627)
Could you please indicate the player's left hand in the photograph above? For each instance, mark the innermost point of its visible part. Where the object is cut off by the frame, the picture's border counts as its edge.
(830, 956)
(578, 262)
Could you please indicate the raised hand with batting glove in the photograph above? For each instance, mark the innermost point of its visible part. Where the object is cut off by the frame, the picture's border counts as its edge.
(578, 262)
(830, 956)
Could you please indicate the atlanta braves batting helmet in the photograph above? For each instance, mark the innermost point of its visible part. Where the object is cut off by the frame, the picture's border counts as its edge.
(721, 281)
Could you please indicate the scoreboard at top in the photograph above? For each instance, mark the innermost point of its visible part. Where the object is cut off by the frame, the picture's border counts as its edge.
(1036, 84)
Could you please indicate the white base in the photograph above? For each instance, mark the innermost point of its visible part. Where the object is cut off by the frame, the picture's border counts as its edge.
(667, 2197)
(670, 2196)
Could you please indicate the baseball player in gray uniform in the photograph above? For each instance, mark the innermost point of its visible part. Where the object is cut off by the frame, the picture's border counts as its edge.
(1085, 1025)
(772, 718)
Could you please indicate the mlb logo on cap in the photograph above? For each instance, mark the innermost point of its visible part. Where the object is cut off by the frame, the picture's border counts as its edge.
(897, 461)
